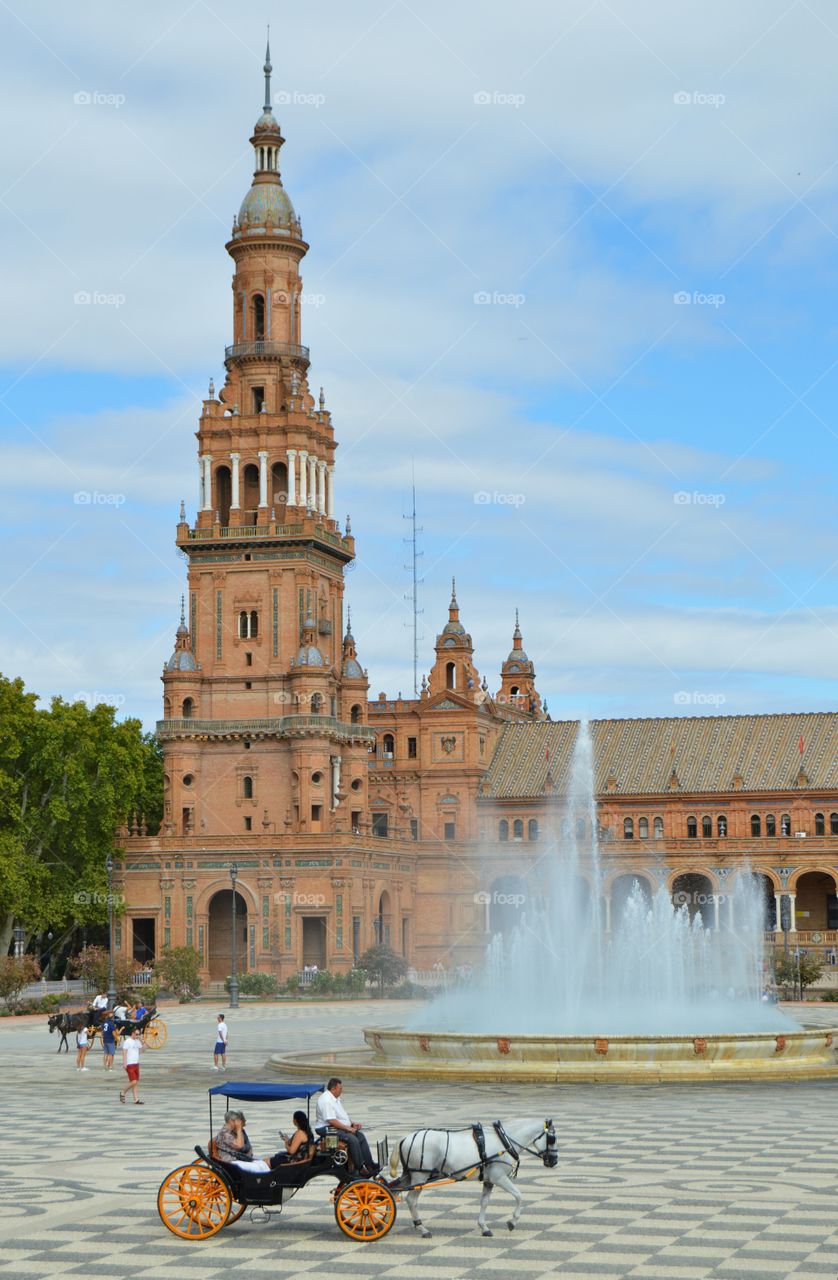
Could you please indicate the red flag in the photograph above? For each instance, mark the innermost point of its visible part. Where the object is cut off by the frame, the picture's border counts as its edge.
(547, 754)
(800, 744)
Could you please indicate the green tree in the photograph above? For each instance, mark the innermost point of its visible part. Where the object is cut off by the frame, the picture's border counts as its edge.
(69, 777)
(15, 975)
(177, 969)
(383, 965)
(795, 973)
(92, 964)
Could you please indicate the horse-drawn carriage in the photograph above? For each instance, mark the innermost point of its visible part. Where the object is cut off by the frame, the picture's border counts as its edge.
(151, 1025)
(196, 1200)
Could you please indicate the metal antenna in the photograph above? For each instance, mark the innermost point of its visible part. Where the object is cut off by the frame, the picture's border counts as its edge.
(412, 568)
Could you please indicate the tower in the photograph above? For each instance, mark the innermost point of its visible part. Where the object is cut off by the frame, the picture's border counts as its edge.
(454, 668)
(255, 728)
(517, 677)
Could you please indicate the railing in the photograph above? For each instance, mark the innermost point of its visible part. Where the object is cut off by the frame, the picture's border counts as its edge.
(276, 726)
(265, 347)
(234, 531)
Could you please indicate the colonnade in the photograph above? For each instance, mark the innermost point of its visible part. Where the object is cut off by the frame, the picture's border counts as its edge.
(311, 482)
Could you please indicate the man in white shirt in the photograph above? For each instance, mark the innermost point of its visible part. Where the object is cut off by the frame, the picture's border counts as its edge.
(221, 1039)
(132, 1047)
(121, 1011)
(101, 1002)
(332, 1113)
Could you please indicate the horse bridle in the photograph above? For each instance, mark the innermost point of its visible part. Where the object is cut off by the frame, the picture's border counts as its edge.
(549, 1155)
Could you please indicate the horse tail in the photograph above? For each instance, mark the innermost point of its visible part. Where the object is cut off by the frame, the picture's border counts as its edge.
(394, 1161)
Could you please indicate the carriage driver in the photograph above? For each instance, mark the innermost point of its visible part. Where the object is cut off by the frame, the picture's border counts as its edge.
(331, 1114)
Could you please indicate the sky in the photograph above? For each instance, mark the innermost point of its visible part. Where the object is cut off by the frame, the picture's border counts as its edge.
(572, 267)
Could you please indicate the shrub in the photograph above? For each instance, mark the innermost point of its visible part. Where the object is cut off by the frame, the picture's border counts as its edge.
(178, 968)
(382, 965)
(92, 964)
(254, 984)
(793, 971)
(15, 976)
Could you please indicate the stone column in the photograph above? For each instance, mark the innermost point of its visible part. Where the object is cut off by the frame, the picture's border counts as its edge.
(207, 461)
(792, 916)
(263, 478)
(234, 471)
(291, 454)
(606, 898)
(778, 911)
(335, 763)
(330, 492)
(303, 477)
(321, 488)
(312, 481)
(716, 912)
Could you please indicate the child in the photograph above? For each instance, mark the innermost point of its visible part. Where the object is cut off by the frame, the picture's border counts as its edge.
(82, 1046)
(221, 1040)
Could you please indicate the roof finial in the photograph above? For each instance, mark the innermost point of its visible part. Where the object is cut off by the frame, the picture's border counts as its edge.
(322, 400)
(182, 611)
(268, 70)
(182, 515)
(454, 592)
(211, 390)
(348, 621)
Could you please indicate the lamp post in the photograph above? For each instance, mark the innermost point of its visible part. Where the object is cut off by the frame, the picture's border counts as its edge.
(111, 974)
(234, 977)
(19, 938)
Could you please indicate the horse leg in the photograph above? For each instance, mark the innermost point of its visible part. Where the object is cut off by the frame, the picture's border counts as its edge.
(506, 1183)
(484, 1204)
(65, 1044)
(412, 1198)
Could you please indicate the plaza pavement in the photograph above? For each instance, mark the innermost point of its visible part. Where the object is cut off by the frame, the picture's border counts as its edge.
(677, 1182)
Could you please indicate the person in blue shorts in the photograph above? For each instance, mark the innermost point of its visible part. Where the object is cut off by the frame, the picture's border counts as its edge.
(108, 1029)
(221, 1040)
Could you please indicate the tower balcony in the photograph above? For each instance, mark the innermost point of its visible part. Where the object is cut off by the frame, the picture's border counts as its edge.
(265, 349)
(266, 727)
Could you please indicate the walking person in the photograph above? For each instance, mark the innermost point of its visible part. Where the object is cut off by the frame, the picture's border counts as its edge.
(108, 1030)
(222, 1038)
(132, 1047)
(82, 1046)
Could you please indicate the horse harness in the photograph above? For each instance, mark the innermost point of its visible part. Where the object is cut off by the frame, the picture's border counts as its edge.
(509, 1145)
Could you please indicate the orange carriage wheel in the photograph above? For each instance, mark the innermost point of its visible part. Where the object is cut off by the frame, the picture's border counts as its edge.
(155, 1034)
(194, 1202)
(237, 1208)
(365, 1210)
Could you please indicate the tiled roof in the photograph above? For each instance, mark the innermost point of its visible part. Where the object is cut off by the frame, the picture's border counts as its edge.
(638, 757)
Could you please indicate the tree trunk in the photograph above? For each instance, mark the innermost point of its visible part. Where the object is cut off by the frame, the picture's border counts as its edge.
(7, 924)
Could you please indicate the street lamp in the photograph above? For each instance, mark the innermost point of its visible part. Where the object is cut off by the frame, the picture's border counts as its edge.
(20, 939)
(111, 974)
(234, 977)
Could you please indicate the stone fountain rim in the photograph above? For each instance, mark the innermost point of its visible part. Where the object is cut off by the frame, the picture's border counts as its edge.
(586, 1038)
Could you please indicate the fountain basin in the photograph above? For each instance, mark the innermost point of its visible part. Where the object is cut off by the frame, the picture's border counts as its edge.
(395, 1053)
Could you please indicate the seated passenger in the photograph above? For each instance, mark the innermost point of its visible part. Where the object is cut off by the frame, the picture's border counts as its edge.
(298, 1147)
(140, 1011)
(121, 1011)
(232, 1143)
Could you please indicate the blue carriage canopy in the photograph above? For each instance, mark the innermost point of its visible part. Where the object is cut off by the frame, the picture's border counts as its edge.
(244, 1092)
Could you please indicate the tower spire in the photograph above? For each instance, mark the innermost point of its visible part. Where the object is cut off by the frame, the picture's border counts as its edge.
(268, 70)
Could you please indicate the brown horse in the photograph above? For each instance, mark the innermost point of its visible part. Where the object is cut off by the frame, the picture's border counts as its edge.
(65, 1022)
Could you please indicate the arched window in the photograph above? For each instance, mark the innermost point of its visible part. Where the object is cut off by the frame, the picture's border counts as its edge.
(721, 825)
(643, 829)
(756, 825)
(658, 828)
(316, 704)
(532, 829)
(388, 746)
(254, 624)
(223, 494)
(706, 827)
(244, 625)
(770, 824)
(258, 316)
(820, 825)
(692, 828)
(250, 494)
(188, 708)
(833, 824)
(279, 484)
(247, 787)
(355, 714)
(518, 829)
(628, 829)
(785, 824)
(503, 830)
(514, 691)
(450, 675)
(580, 828)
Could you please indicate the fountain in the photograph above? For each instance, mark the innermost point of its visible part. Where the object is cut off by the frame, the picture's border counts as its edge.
(569, 994)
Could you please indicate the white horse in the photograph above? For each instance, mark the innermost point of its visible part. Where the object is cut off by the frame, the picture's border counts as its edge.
(430, 1154)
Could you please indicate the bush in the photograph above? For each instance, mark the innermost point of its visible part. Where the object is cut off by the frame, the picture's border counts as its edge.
(382, 965)
(255, 984)
(792, 971)
(15, 976)
(92, 964)
(147, 993)
(831, 994)
(178, 968)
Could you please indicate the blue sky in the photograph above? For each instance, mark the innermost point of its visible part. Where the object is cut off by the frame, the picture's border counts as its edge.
(578, 272)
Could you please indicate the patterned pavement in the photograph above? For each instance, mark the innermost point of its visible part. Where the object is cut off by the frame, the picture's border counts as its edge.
(726, 1180)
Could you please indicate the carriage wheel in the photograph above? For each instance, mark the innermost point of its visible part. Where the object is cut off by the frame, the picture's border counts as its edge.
(194, 1202)
(236, 1209)
(365, 1210)
(155, 1034)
